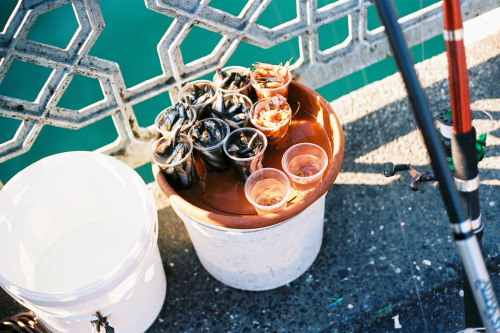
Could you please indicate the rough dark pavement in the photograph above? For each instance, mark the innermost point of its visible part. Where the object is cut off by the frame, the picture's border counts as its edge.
(387, 252)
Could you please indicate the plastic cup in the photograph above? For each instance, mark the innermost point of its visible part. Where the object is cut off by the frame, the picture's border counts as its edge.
(233, 69)
(267, 190)
(277, 135)
(270, 92)
(244, 167)
(180, 174)
(234, 125)
(200, 108)
(184, 128)
(213, 157)
(304, 163)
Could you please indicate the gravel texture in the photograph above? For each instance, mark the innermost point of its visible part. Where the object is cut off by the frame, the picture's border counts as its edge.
(387, 252)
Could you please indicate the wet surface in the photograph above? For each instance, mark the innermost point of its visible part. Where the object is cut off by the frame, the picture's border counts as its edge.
(387, 257)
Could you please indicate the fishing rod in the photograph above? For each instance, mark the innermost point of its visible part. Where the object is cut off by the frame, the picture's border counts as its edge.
(461, 225)
(463, 136)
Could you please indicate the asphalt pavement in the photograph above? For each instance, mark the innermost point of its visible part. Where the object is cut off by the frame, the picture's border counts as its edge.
(388, 262)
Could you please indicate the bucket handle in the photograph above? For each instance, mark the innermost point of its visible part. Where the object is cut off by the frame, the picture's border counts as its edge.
(106, 313)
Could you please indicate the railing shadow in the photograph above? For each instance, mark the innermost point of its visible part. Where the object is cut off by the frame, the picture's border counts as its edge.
(386, 251)
(387, 256)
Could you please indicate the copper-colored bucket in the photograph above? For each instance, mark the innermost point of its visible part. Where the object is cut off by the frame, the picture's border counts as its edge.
(310, 102)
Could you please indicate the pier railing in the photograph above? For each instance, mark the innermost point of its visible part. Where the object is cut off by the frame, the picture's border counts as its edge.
(315, 67)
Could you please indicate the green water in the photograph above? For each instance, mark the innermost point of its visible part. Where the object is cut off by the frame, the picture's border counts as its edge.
(130, 38)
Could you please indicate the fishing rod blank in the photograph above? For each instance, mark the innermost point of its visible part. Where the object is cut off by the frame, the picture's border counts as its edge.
(461, 225)
(463, 136)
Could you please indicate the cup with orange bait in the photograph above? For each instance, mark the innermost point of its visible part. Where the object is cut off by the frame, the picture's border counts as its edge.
(271, 80)
(272, 117)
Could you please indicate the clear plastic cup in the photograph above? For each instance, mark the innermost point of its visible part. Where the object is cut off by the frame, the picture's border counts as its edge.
(245, 166)
(180, 174)
(201, 108)
(267, 190)
(270, 92)
(213, 157)
(304, 163)
(277, 133)
(184, 128)
(233, 124)
(245, 90)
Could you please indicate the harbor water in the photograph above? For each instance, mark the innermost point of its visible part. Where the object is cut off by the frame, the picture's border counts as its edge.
(132, 42)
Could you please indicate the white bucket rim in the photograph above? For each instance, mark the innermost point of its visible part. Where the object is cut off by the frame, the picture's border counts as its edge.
(82, 293)
(316, 106)
(240, 231)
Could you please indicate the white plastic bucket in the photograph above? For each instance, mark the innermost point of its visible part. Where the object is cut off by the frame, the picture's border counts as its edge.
(253, 252)
(78, 231)
(261, 258)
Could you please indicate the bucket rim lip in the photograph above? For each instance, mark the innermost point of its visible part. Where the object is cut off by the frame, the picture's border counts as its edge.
(252, 221)
(243, 231)
(111, 276)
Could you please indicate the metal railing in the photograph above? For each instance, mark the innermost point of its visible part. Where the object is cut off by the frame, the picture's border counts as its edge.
(314, 67)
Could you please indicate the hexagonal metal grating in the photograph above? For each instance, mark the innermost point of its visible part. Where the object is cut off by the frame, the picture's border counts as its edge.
(315, 67)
